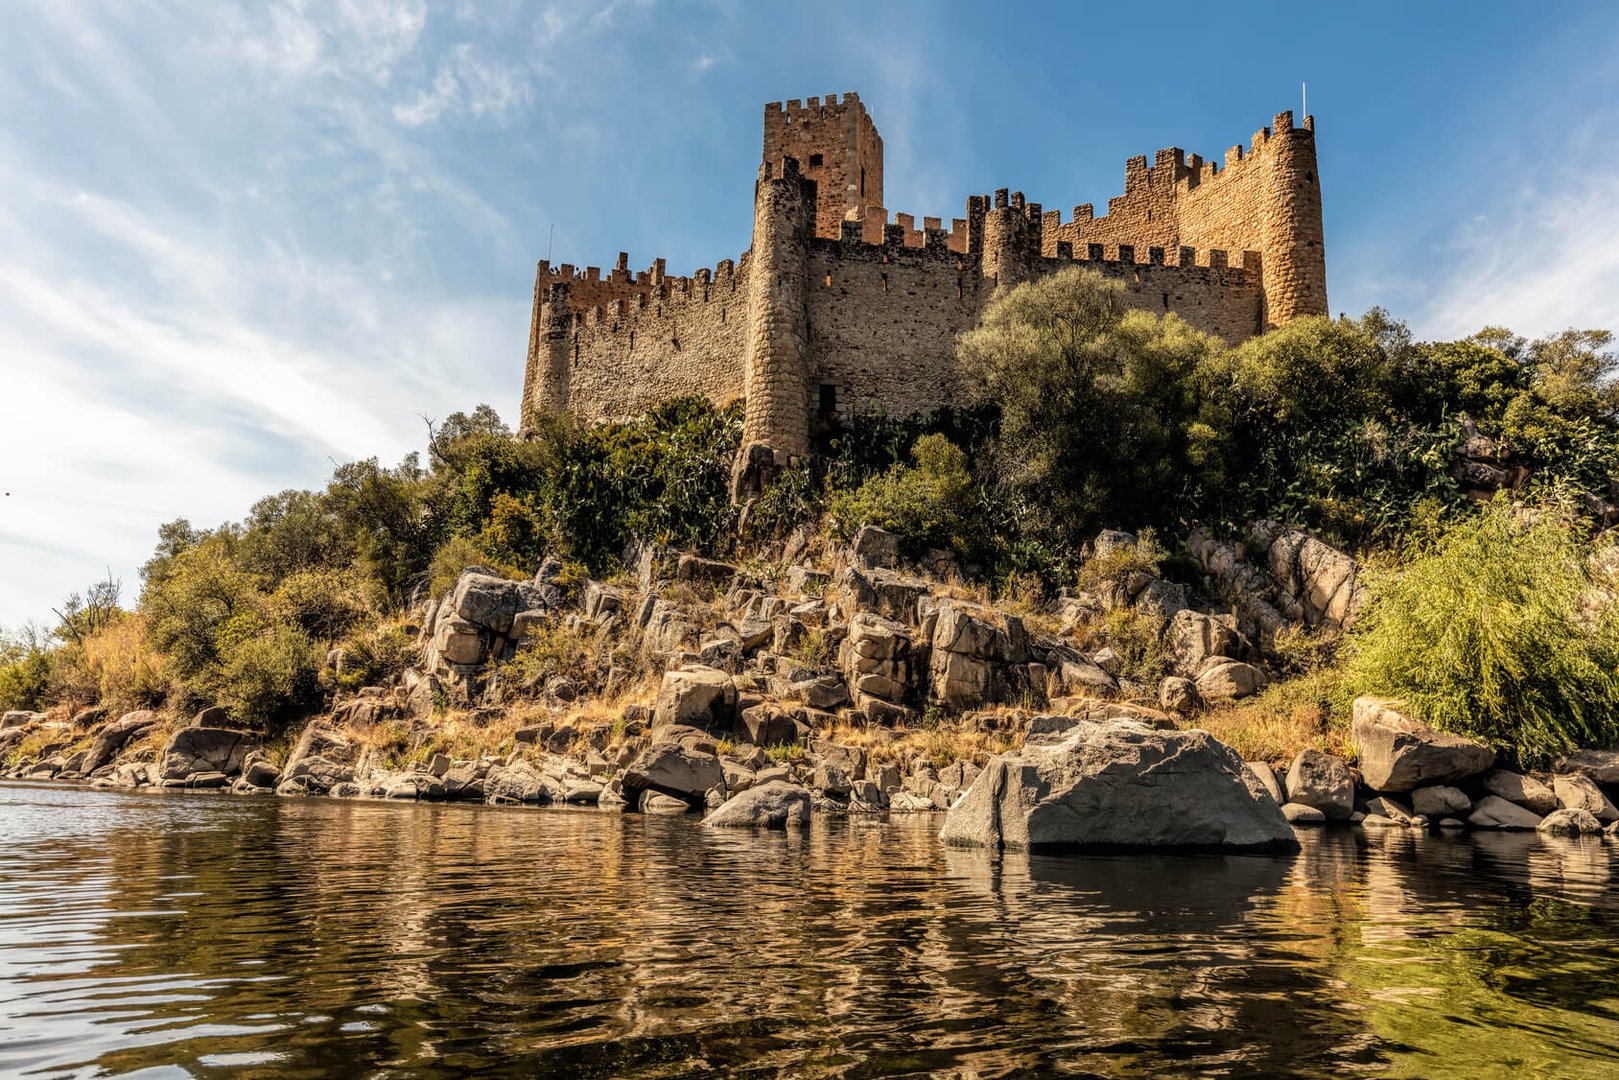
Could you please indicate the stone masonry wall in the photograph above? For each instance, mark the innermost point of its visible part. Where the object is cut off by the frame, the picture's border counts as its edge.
(837, 146)
(835, 307)
(689, 338)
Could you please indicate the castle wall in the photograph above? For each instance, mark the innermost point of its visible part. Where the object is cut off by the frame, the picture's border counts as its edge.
(687, 338)
(883, 323)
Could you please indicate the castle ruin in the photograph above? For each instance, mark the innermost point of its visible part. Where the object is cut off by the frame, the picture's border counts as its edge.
(835, 307)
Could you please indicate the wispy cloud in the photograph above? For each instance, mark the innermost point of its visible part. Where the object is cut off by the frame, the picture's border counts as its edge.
(475, 86)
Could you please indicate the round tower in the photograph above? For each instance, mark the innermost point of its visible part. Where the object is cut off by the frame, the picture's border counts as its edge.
(1295, 265)
(775, 426)
(545, 384)
(1006, 241)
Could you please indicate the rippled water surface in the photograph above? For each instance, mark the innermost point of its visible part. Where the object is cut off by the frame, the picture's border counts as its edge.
(211, 935)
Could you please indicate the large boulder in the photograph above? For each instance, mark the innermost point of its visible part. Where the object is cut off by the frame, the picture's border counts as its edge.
(1494, 812)
(1578, 792)
(1440, 801)
(1191, 638)
(696, 696)
(1526, 791)
(115, 736)
(1398, 753)
(1322, 781)
(875, 548)
(773, 805)
(486, 600)
(1227, 680)
(674, 769)
(1320, 579)
(1118, 784)
(876, 658)
(203, 750)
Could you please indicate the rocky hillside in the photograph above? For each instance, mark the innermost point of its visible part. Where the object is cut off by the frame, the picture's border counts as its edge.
(832, 673)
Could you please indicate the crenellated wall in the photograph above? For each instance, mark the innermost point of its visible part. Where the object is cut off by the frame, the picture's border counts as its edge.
(835, 308)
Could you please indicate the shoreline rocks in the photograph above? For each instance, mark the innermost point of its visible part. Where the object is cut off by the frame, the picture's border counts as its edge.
(1118, 784)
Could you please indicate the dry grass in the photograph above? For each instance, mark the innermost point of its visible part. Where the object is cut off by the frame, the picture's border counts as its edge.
(939, 744)
(1285, 718)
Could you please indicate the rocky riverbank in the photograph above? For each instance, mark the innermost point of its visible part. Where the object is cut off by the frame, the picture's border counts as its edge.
(833, 679)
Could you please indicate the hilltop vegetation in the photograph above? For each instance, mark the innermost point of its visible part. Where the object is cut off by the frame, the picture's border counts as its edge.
(1078, 415)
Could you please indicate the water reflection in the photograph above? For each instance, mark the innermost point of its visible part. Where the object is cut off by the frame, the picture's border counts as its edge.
(275, 937)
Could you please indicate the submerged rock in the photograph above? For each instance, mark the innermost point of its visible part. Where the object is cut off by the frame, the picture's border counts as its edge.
(1568, 822)
(773, 805)
(1118, 784)
(1526, 791)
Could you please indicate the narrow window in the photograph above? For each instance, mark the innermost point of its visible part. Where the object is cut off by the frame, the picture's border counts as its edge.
(958, 287)
(815, 161)
(862, 183)
(829, 399)
(885, 283)
(829, 279)
(1166, 301)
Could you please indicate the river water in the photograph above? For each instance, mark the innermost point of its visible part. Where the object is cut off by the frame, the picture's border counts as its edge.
(211, 935)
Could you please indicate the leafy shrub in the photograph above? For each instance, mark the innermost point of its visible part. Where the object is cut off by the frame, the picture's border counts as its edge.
(548, 651)
(373, 655)
(270, 676)
(1485, 637)
(929, 503)
(25, 670)
(1117, 564)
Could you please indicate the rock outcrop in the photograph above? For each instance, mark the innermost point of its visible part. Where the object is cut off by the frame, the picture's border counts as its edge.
(773, 805)
(1398, 753)
(1117, 784)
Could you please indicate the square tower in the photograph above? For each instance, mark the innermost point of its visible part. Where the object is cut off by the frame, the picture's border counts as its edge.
(836, 145)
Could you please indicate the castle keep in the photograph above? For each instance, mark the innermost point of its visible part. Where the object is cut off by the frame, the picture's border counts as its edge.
(838, 305)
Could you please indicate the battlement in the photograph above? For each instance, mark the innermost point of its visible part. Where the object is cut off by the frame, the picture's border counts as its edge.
(840, 302)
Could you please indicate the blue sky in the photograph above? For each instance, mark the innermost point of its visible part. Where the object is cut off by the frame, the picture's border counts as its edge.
(240, 242)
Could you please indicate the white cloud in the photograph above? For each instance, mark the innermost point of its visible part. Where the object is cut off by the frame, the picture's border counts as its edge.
(465, 83)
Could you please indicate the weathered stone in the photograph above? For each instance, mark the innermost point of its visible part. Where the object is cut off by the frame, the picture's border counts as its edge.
(831, 779)
(852, 759)
(1191, 638)
(1176, 694)
(772, 805)
(698, 696)
(1526, 791)
(1494, 812)
(485, 600)
(519, 782)
(1391, 809)
(875, 548)
(1110, 785)
(1600, 765)
(1322, 781)
(674, 770)
(906, 802)
(1322, 579)
(1267, 780)
(1579, 792)
(656, 802)
(1398, 753)
(195, 750)
(115, 736)
(1568, 821)
(1440, 800)
(1299, 814)
(1229, 680)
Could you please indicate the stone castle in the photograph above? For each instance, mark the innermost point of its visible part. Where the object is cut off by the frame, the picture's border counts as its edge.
(835, 307)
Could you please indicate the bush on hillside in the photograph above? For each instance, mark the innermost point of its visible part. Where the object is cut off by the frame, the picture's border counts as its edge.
(1485, 637)
(931, 502)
